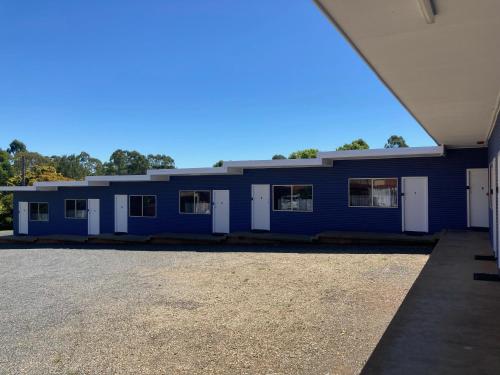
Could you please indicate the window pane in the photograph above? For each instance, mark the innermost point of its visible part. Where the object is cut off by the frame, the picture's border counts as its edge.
(135, 205)
(302, 198)
(81, 209)
(70, 208)
(43, 211)
(282, 197)
(187, 202)
(33, 211)
(202, 199)
(385, 192)
(149, 205)
(360, 192)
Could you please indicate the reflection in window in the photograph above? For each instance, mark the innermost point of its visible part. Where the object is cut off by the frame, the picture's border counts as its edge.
(373, 192)
(39, 211)
(360, 192)
(194, 202)
(385, 192)
(75, 208)
(292, 198)
(142, 205)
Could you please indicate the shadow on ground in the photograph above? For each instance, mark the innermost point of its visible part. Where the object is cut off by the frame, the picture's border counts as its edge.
(279, 248)
(448, 322)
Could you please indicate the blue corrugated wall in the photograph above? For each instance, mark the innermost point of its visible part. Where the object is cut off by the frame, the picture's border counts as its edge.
(447, 198)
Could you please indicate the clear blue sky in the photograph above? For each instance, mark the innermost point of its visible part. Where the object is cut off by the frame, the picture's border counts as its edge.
(198, 80)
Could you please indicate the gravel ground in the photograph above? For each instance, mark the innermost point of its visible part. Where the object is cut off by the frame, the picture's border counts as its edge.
(70, 311)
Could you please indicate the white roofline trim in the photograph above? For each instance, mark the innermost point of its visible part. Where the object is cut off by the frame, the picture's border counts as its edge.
(17, 188)
(384, 153)
(195, 171)
(279, 163)
(324, 159)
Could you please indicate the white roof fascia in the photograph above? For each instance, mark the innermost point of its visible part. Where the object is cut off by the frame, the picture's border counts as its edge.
(17, 188)
(279, 163)
(46, 188)
(42, 184)
(194, 171)
(384, 153)
(119, 178)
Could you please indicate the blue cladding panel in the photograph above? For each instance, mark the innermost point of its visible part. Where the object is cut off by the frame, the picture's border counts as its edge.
(447, 198)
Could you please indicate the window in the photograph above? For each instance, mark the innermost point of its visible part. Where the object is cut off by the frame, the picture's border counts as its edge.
(373, 192)
(293, 198)
(39, 211)
(142, 205)
(194, 202)
(75, 208)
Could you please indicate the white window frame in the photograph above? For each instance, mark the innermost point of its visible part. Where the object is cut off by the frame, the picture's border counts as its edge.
(195, 191)
(38, 211)
(372, 179)
(86, 209)
(291, 191)
(142, 205)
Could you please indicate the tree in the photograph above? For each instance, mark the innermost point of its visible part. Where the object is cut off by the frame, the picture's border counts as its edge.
(77, 166)
(218, 164)
(31, 160)
(160, 161)
(395, 141)
(126, 162)
(278, 157)
(16, 146)
(38, 173)
(6, 170)
(308, 153)
(357, 144)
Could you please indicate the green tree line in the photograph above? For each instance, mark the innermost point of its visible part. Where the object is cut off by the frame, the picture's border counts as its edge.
(393, 141)
(40, 167)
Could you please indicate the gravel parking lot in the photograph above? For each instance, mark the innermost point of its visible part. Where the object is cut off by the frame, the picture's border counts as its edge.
(90, 311)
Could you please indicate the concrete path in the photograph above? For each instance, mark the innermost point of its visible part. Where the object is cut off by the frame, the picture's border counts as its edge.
(448, 323)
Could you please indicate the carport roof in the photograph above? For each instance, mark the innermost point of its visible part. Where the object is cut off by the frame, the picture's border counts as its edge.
(440, 58)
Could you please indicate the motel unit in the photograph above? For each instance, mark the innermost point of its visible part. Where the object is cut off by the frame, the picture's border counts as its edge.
(422, 189)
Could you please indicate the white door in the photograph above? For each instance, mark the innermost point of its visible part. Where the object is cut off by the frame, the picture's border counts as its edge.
(23, 218)
(93, 217)
(415, 204)
(261, 207)
(220, 214)
(493, 192)
(121, 213)
(477, 202)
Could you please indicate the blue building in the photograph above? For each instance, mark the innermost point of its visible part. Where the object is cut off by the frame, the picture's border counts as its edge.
(424, 189)
(441, 63)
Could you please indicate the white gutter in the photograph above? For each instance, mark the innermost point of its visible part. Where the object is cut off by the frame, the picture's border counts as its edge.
(17, 188)
(384, 153)
(279, 163)
(195, 171)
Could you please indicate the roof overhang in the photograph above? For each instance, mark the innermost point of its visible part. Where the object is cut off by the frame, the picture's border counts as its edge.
(440, 58)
